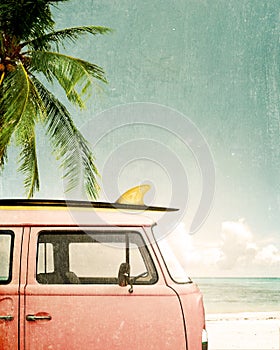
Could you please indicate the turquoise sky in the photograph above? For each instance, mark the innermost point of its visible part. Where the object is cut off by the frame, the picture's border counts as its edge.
(214, 61)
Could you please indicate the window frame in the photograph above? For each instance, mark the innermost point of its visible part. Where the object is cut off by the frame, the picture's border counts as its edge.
(184, 278)
(143, 250)
(10, 233)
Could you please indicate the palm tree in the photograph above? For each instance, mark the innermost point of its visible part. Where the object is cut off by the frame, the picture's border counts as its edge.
(29, 50)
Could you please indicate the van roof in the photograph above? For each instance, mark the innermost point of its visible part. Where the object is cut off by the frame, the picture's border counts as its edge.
(45, 212)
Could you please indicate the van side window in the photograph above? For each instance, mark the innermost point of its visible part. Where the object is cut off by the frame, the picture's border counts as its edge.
(45, 258)
(6, 249)
(78, 257)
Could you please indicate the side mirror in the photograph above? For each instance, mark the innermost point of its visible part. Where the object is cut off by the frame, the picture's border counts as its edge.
(123, 275)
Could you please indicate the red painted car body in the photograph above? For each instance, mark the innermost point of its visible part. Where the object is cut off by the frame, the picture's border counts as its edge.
(61, 283)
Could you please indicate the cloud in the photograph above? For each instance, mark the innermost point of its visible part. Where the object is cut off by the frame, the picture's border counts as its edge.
(237, 246)
(241, 250)
(194, 257)
(237, 252)
(270, 255)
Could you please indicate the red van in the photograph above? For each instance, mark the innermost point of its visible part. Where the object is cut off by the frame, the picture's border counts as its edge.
(80, 275)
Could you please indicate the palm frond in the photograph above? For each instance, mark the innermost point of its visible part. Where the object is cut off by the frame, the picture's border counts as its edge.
(20, 109)
(63, 36)
(74, 75)
(68, 144)
(25, 139)
(1, 44)
(25, 19)
(13, 103)
(2, 76)
(28, 160)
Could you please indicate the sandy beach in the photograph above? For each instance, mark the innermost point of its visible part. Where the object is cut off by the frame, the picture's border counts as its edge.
(246, 331)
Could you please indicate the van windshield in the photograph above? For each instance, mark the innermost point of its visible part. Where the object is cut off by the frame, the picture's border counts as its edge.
(174, 255)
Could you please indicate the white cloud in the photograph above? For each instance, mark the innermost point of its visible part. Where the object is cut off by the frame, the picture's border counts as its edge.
(269, 255)
(237, 245)
(242, 251)
(237, 252)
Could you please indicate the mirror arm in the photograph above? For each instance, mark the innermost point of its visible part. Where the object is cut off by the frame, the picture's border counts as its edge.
(131, 281)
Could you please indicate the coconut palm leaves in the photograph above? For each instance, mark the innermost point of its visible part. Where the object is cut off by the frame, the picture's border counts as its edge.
(19, 120)
(29, 49)
(74, 75)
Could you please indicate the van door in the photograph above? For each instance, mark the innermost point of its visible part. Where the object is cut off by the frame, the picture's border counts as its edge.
(10, 248)
(73, 299)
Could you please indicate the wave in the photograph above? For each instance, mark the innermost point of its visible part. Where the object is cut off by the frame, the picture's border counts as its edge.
(246, 316)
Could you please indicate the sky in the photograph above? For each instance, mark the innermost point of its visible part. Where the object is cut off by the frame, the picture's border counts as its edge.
(192, 108)
(236, 252)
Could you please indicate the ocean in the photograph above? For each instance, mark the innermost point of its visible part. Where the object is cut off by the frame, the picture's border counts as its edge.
(228, 295)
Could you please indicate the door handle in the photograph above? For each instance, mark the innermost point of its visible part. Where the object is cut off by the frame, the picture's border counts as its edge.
(33, 318)
(7, 318)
